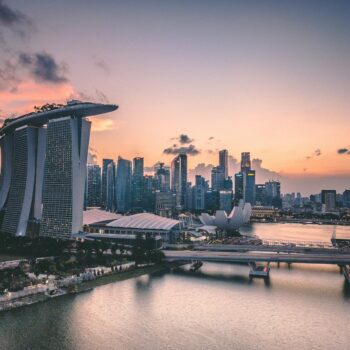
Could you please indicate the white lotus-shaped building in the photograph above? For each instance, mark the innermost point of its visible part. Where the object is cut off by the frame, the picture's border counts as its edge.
(239, 216)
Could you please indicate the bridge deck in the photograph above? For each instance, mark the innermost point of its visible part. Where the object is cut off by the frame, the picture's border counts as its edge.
(238, 257)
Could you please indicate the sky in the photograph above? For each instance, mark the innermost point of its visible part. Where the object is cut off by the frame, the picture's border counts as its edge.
(269, 77)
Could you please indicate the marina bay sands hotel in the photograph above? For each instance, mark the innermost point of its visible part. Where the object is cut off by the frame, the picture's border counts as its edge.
(43, 169)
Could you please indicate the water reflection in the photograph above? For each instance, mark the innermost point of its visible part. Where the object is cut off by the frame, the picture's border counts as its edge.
(212, 276)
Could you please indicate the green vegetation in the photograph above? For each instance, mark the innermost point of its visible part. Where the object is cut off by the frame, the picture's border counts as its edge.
(13, 279)
(62, 258)
(32, 247)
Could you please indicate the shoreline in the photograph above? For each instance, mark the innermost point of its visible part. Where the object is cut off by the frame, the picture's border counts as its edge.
(82, 287)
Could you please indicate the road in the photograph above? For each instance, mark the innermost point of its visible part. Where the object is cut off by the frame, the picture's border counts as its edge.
(239, 257)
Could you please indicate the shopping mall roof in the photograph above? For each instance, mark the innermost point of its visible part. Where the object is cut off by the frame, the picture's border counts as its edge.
(144, 221)
(93, 216)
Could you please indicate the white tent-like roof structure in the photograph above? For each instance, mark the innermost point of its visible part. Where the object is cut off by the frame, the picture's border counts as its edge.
(145, 221)
(92, 216)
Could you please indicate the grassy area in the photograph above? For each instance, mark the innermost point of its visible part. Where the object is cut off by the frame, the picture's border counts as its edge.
(6, 257)
(120, 276)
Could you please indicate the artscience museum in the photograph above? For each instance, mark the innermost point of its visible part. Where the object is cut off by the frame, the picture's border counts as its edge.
(239, 216)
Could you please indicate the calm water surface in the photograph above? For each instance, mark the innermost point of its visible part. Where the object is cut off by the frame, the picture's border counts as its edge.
(304, 307)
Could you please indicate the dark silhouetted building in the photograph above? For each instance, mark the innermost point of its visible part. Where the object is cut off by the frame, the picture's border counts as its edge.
(223, 161)
(137, 184)
(123, 185)
(239, 187)
(346, 199)
(217, 178)
(105, 163)
(179, 180)
(328, 198)
(162, 176)
(260, 194)
(245, 161)
(273, 194)
(199, 190)
(93, 186)
(111, 203)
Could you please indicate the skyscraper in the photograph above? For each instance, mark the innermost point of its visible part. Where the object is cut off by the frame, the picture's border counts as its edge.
(105, 163)
(199, 190)
(328, 198)
(148, 194)
(111, 202)
(245, 161)
(123, 185)
(249, 186)
(162, 176)
(239, 187)
(179, 179)
(273, 193)
(245, 181)
(217, 178)
(64, 177)
(223, 161)
(43, 174)
(260, 194)
(346, 199)
(93, 186)
(137, 184)
(225, 201)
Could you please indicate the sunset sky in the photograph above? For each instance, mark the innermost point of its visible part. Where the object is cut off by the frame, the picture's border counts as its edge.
(269, 77)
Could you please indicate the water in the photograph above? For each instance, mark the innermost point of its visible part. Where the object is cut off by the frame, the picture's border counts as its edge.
(304, 307)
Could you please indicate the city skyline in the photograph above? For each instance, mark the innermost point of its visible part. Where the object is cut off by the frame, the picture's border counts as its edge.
(277, 89)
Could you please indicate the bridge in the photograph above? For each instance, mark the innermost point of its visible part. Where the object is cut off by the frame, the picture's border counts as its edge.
(252, 257)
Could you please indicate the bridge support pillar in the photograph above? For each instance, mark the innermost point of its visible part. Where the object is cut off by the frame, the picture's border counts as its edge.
(346, 272)
(262, 271)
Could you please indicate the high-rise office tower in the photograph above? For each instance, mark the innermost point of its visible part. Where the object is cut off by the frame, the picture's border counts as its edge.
(245, 161)
(137, 184)
(162, 176)
(149, 190)
(199, 190)
(273, 193)
(328, 198)
(249, 186)
(239, 187)
(260, 194)
(111, 202)
(43, 174)
(223, 161)
(225, 201)
(212, 201)
(179, 179)
(123, 185)
(217, 178)
(228, 184)
(165, 203)
(105, 163)
(245, 179)
(93, 186)
(346, 199)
